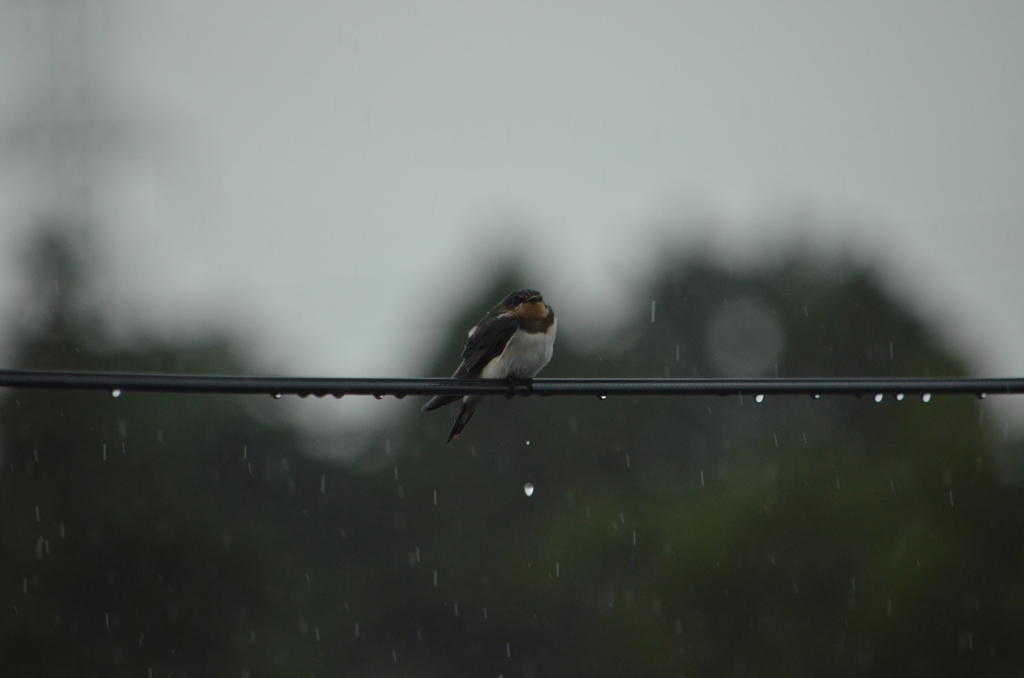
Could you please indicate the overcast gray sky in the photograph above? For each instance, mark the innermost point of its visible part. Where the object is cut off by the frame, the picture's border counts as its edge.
(327, 174)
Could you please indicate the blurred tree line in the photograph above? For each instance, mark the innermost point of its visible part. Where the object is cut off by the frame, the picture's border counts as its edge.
(176, 535)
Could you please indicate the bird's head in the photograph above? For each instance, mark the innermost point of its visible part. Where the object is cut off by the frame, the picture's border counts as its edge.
(527, 304)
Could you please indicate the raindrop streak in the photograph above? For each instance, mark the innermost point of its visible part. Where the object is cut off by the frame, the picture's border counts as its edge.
(528, 489)
(652, 311)
(323, 484)
(878, 397)
(926, 397)
(899, 396)
(759, 398)
(116, 393)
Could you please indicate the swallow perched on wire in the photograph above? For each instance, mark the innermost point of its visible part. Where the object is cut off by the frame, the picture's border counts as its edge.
(514, 341)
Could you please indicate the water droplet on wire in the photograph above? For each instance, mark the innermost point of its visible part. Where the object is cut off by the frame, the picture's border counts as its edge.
(879, 397)
(528, 489)
(926, 397)
(759, 398)
(899, 396)
(116, 393)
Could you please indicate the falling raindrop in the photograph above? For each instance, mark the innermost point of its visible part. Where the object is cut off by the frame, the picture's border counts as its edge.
(926, 397)
(116, 392)
(899, 396)
(759, 398)
(652, 311)
(879, 397)
(528, 489)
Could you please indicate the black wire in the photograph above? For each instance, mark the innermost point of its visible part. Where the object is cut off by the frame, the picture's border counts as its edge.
(303, 387)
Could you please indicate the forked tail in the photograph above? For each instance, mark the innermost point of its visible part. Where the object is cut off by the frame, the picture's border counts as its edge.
(465, 414)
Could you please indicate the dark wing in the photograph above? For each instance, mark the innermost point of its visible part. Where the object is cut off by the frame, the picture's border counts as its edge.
(486, 343)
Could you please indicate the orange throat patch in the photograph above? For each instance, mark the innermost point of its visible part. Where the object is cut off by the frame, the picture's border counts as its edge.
(534, 310)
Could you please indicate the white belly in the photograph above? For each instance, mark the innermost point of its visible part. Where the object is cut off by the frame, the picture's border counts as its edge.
(524, 355)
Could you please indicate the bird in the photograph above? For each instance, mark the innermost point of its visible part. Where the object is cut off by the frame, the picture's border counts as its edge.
(514, 341)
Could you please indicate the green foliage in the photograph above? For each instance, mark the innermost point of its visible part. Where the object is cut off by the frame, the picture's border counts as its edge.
(666, 536)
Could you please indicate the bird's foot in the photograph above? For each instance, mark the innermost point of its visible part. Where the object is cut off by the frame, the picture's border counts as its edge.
(513, 382)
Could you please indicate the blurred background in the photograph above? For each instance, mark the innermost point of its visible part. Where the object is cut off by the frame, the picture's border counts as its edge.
(704, 189)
